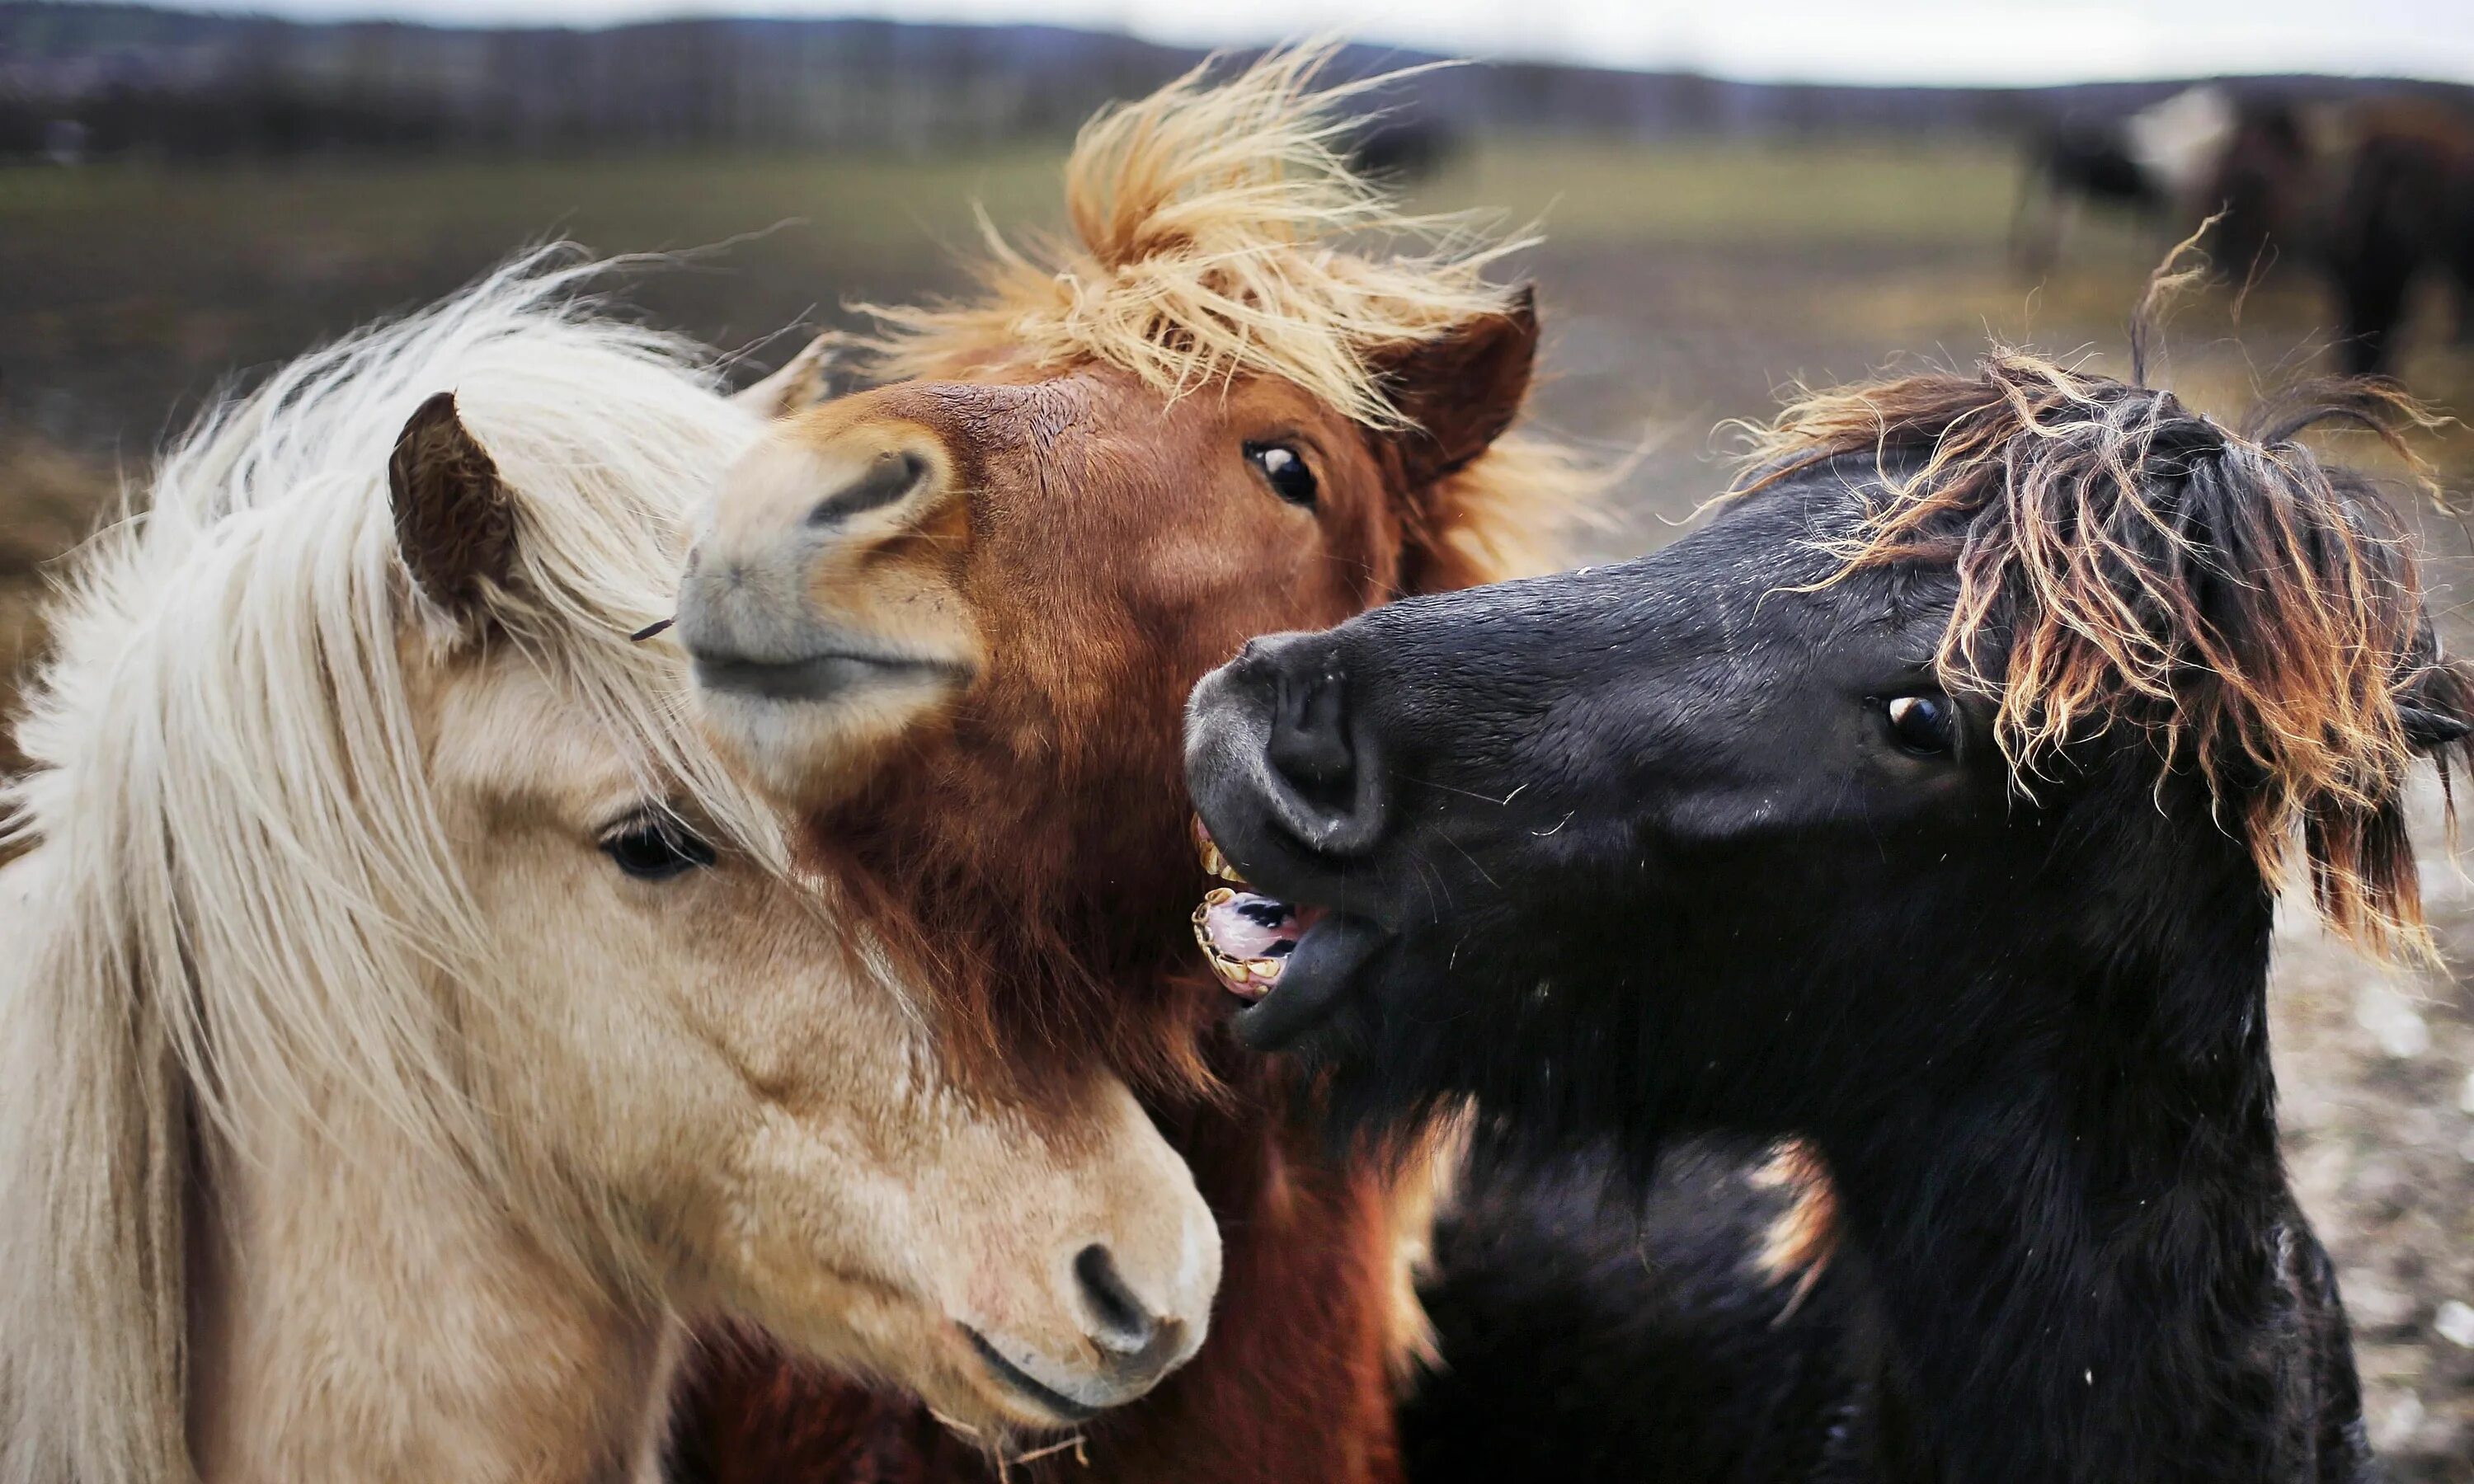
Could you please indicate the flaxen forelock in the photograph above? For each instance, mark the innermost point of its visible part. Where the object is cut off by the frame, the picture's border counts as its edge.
(1220, 231)
(1217, 232)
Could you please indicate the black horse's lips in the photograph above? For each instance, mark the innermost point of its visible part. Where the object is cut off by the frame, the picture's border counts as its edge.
(1321, 968)
(1289, 962)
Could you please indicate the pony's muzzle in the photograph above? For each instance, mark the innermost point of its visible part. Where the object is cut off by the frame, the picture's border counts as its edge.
(1284, 703)
(1120, 1322)
(1123, 1340)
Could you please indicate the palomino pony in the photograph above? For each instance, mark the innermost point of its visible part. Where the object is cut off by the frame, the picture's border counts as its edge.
(405, 1015)
(1931, 803)
(954, 619)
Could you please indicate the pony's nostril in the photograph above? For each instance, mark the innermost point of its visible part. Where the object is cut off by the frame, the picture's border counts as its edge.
(1309, 741)
(887, 481)
(1120, 1322)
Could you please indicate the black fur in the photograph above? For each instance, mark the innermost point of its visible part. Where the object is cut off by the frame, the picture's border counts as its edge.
(1646, 863)
(1587, 1341)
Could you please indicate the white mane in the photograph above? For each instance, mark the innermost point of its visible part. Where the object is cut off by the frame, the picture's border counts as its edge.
(239, 888)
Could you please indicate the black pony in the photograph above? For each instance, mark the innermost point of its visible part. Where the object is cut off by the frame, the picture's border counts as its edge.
(1927, 807)
(2073, 162)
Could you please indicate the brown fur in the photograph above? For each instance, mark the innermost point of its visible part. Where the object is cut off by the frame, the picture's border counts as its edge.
(1025, 838)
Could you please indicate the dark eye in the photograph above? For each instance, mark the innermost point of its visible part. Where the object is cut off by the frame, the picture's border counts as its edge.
(1286, 469)
(1926, 725)
(656, 849)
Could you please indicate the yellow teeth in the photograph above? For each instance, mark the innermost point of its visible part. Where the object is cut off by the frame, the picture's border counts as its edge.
(1213, 862)
(1238, 973)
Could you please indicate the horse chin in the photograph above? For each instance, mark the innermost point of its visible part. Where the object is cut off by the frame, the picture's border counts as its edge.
(1292, 963)
(1329, 961)
(811, 753)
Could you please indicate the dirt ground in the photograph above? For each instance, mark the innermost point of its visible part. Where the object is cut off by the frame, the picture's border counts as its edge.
(1682, 285)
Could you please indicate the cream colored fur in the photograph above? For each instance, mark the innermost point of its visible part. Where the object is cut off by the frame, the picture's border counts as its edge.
(359, 1119)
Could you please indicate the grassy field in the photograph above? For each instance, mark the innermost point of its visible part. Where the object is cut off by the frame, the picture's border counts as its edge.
(1682, 285)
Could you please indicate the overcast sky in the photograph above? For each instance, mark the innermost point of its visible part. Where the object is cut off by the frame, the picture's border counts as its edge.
(1851, 40)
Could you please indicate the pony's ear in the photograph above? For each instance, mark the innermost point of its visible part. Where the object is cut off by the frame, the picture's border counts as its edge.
(2429, 731)
(1462, 391)
(2436, 708)
(800, 383)
(455, 521)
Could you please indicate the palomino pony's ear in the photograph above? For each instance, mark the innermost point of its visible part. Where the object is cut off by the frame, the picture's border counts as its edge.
(1462, 391)
(800, 383)
(454, 520)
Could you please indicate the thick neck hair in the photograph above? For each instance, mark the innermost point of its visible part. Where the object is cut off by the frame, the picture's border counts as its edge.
(2072, 1222)
(1048, 890)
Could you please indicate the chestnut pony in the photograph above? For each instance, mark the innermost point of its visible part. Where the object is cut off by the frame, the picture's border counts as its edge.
(954, 618)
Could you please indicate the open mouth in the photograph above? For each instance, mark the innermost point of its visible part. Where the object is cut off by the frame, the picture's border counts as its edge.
(1248, 937)
(1257, 943)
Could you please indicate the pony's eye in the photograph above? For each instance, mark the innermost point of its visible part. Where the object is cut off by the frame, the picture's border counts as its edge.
(1290, 477)
(653, 849)
(1926, 725)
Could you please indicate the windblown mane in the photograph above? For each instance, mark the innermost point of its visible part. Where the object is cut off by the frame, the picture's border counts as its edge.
(2123, 562)
(240, 888)
(1219, 232)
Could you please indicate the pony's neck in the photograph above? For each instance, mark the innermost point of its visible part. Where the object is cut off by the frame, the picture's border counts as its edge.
(2077, 1253)
(328, 1289)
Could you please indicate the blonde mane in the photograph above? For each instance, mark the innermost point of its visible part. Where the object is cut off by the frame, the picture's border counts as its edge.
(239, 890)
(1218, 232)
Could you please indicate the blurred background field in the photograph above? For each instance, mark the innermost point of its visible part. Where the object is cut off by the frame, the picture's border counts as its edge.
(1689, 274)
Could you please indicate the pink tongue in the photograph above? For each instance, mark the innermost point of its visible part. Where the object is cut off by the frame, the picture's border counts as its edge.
(1248, 925)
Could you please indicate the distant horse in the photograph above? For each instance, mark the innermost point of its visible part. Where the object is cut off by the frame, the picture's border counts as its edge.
(2268, 196)
(403, 1015)
(954, 618)
(2406, 210)
(2155, 164)
(1931, 803)
(2371, 197)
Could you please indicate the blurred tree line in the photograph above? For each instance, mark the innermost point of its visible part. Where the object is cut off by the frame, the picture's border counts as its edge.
(80, 80)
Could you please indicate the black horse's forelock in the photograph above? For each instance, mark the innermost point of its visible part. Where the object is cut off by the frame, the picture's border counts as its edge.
(2125, 562)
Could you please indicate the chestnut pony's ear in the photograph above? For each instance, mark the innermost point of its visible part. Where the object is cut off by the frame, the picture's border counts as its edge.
(1463, 390)
(455, 521)
(799, 385)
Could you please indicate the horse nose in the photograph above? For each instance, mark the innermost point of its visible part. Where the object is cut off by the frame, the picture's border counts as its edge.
(1309, 741)
(796, 517)
(890, 478)
(1316, 774)
(1119, 1323)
